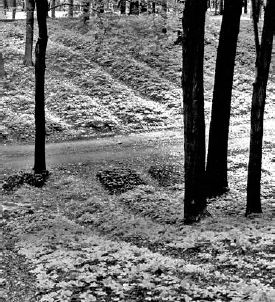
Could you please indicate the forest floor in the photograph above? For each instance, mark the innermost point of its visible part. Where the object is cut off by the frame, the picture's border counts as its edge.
(108, 224)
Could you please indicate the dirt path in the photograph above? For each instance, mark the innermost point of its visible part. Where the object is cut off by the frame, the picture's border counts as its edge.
(20, 157)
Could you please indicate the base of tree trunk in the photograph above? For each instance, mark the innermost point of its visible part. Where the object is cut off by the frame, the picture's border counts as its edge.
(197, 218)
(28, 62)
(213, 191)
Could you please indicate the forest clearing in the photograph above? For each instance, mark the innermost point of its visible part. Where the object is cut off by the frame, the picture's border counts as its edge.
(108, 224)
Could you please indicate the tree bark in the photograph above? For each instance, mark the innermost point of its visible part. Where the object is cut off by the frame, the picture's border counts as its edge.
(193, 23)
(2, 67)
(53, 10)
(30, 7)
(123, 7)
(13, 9)
(86, 11)
(263, 60)
(40, 53)
(216, 170)
(164, 9)
(71, 9)
(134, 7)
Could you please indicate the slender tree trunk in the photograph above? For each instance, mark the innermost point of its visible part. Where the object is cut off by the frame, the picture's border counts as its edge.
(257, 110)
(153, 7)
(86, 11)
(40, 53)
(71, 9)
(30, 7)
(134, 7)
(193, 23)
(53, 10)
(2, 67)
(13, 9)
(164, 9)
(216, 170)
(123, 7)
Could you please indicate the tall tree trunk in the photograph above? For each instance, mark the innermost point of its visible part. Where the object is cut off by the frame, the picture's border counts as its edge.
(193, 22)
(13, 9)
(71, 9)
(86, 11)
(153, 7)
(30, 7)
(2, 67)
(40, 53)
(53, 9)
(164, 9)
(263, 58)
(134, 7)
(216, 170)
(123, 7)
(5, 6)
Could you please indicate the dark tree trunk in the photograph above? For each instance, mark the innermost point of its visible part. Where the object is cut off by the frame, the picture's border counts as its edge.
(30, 7)
(245, 6)
(257, 110)
(216, 7)
(71, 9)
(164, 9)
(40, 53)
(134, 7)
(153, 7)
(100, 6)
(53, 10)
(193, 22)
(86, 11)
(216, 170)
(5, 6)
(13, 9)
(2, 67)
(123, 7)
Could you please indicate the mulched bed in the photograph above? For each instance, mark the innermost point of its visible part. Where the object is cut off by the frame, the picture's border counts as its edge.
(119, 180)
(167, 174)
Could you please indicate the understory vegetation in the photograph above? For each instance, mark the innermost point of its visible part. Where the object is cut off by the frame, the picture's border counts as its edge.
(112, 229)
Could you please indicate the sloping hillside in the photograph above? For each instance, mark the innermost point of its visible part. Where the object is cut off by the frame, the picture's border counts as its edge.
(117, 75)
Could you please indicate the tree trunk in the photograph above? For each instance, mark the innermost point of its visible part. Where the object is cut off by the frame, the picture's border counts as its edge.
(30, 7)
(123, 7)
(216, 170)
(257, 110)
(40, 53)
(193, 23)
(153, 7)
(5, 6)
(2, 67)
(13, 9)
(86, 11)
(53, 10)
(134, 7)
(164, 9)
(71, 9)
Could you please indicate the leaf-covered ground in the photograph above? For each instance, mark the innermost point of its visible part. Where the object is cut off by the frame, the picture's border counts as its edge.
(73, 240)
(116, 75)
